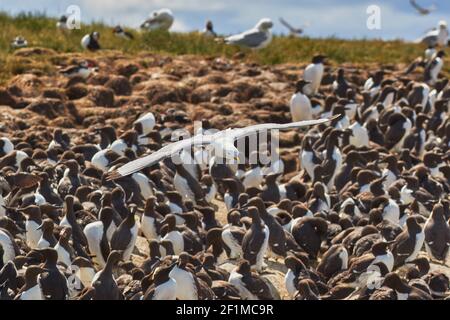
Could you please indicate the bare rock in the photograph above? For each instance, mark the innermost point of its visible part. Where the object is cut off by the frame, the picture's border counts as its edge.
(120, 85)
(6, 99)
(127, 69)
(101, 96)
(76, 91)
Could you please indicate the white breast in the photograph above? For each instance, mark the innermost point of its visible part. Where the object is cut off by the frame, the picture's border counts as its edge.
(130, 247)
(2, 206)
(300, 107)
(182, 187)
(236, 280)
(253, 178)
(63, 255)
(85, 275)
(420, 237)
(307, 163)
(260, 256)
(34, 293)
(360, 135)
(391, 212)
(85, 41)
(211, 193)
(177, 241)
(144, 184)
(42, 243)
(148, 227)
(391, 178)
(185, 284)
(289, 283)
(94, 233)
(7, 145)
(166, 291)
(228, 199)
(8, 248)
(387, 259)
(32, 233)
(99, 160)
(174, 208)
(230, 241)
(119, 146)
(313, 73)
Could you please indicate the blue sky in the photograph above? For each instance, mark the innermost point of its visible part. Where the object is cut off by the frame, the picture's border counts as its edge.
(342, 18)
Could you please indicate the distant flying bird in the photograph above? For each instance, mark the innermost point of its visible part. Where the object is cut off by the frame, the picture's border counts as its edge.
(292, 30)
(159, 20)
(255, 38)
(421, 10)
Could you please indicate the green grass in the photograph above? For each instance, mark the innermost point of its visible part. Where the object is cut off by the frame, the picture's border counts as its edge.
(40, 31)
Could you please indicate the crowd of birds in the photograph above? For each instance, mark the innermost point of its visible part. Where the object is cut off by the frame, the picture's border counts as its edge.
(366, 216)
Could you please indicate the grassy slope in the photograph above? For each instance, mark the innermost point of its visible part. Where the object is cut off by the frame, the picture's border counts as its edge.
(40, 31)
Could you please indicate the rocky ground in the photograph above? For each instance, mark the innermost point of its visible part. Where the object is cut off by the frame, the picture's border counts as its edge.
(178, 90)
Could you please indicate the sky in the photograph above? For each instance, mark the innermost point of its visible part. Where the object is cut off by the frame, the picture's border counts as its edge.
(321, 18)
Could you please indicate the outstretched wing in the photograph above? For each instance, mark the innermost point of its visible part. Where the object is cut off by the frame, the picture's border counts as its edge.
(243, 132)
(291, 28)
(157, 156)
(226, 135)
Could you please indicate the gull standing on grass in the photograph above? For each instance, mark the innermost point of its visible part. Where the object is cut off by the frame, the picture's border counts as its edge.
(255, 38)
(437, 36)
(159, 20)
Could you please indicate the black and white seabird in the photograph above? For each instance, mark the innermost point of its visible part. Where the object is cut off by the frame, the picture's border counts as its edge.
(47, 239)
(163, 287)
(90, 41)
(314, 74)
(121, 33)
(19, 42)
(437, 234)
(53, 283)
(434, 67)
(209, 30)
(256, 240)
(84, 69)
(104, 283)
(250, 285)
(300, 105)
(125, 236)
(407, 244)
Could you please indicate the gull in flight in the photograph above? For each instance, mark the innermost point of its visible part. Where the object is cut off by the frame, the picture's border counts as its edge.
(222, 142)
(292, 30)
(421, 10)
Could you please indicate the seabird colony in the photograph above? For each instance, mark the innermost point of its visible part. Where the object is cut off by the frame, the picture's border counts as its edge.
(364, 215)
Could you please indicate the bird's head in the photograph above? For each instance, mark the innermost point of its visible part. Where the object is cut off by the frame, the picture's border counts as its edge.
(264, 24)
